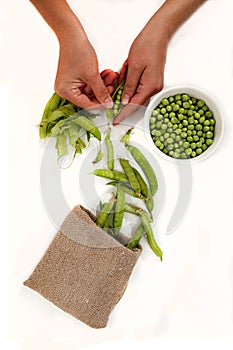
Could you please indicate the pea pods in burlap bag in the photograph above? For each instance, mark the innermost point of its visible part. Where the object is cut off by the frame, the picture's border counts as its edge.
(84, 271)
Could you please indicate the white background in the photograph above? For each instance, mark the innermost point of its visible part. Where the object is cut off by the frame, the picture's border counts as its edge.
(186, 301)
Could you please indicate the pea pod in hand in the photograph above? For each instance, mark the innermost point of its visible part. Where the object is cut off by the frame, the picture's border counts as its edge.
(88, 125)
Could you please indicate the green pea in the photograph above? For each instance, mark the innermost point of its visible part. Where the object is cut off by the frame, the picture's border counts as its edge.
(161, 138)
(188, 151)
(165, 101)
(190, 113)
(200, 111)
(205, 108)
(160, 117)
(181, 143)
(174, 120)
(157, 143)
(197, 115)
(165, 150)
(209, 114)
(169, 108)
(173, 135)
(170, 125)
(175, 155)
(199, 150)
(199, 133)
(189, 138)
(155, 113)
(166, 120)
(199, 144)
(201, 120)
(166, 115)
(184, 129)
(170, 130)
(193, 145)
(166, 135)
(186, 144)
(198, 127)
(164, 126)
(212, 121)
(183, 156)
(175, 126)
(171, 153)
(196, 122)
(191, 120)
(204, 147)
(193, 154)
(158, 125)
(195, 138)
(200, 103)
(181, 116)
(186, 105)
(170, 147)
(178, 138)
(194, 132)
(211, 128)
(189, 132)
(209, 142)
(206, 122)
(194, 100)
(175, 108)
(202, 140)
(157, 133)
(185, 122)
(157, 110)
(161, 147)
(209, 135)
(169, 140)
(178, 97)
(185, 97)
(152, 120)
(163, 110)
(183, 134)
(178, 131)
(191, 127)
(206, 128)
(171, 99)
(192, 108)
(176, 145)
(182, 110)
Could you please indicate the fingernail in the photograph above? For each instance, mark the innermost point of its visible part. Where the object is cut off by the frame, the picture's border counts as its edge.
(108, 102)
(125, 99)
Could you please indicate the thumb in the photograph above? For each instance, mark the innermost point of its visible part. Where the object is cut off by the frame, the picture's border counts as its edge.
(101, 92)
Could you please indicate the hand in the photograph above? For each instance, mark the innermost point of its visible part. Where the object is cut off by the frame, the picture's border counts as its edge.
(143, 70)
(78, 79)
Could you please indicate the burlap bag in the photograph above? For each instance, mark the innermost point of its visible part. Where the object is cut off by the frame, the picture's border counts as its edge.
(84, 271)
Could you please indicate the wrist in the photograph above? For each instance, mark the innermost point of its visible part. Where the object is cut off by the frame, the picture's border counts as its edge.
(70, 29)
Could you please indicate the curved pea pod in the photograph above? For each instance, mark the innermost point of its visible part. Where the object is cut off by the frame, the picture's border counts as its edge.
(136, 237)
(51, 105)
(88, 125)
(117, 105)
(119, 209)
(132, 209)
(150, 236)
(130, 175)
(110, 150)
(126, 138)
(65, 111)
(146, 167)
(99, 156)
(103, 215)
(110, 174)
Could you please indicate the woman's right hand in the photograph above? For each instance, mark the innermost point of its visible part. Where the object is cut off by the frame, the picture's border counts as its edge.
(78, 78)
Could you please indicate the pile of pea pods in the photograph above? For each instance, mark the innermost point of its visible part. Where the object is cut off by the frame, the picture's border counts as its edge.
(129, 181)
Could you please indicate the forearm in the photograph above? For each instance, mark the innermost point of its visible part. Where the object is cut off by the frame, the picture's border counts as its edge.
(172, 14)
(60, 18)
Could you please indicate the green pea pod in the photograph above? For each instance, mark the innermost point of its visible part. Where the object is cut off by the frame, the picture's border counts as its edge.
(119, 209)
(136, 237)
(110, 150)
(107, 207)
(117, 105)
(64, 111)
(57, 128)
(51, 105)
(150, 236)
(142, 183)
(99, 156)
(88, 125)
(146, 167)
(73, 133)
(126, 138)
(61, 145)
(132, 209)
(110, 174)
(130, 175)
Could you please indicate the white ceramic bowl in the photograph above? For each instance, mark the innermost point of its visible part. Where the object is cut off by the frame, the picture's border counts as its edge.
(198, 93)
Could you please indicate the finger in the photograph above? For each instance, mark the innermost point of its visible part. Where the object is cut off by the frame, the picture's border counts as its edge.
(131, 84)
(105, 72)
(110, 78)
(88, 90)
(123, 72)
(83, 101)
(100, 91)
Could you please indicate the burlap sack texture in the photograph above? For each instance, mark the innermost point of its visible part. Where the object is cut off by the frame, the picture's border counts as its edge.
(84, 271)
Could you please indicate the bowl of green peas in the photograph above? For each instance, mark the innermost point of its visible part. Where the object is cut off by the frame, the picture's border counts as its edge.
(183, 123)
